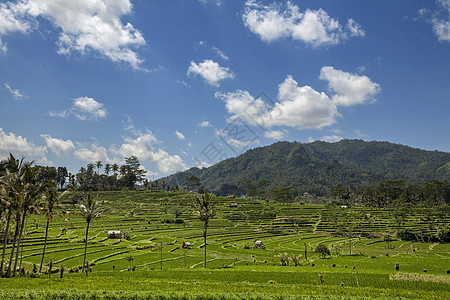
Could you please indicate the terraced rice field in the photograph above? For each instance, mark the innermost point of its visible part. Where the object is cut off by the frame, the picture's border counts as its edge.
(235, 267)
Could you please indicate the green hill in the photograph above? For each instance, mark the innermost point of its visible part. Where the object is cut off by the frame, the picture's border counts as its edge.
(315, 167)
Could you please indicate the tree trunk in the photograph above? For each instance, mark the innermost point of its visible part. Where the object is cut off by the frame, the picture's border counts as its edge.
(45, 245)
(306, 252)
(85, 246)
(5, 240)
(16, 233)
(18, 242)
(204, 239)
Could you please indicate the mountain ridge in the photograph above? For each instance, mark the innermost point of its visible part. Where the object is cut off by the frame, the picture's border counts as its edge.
(318, 166)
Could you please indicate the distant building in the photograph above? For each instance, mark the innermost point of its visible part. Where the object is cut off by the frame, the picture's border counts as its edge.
(114, 234)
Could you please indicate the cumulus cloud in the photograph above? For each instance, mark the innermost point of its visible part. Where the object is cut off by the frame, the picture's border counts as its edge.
(299, 107)
(11, 20)
(211, 71)
(350, 89)
(93, 153)
(15, 93)
(354, 28)
(86, 25)
(18, 145)
(313, 27)
(179, 135)
(441, 21)
(58, 146)
(144, 148)
(83, 108)
(331, 138)
(274, 134)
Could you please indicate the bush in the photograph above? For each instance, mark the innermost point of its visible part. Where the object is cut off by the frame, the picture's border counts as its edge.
(322, 249)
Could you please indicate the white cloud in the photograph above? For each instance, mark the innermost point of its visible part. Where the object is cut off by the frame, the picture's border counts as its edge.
(350, 89)
(143, 148)
(299, 107)
(354, 28)
(86, 25)
(204, 124)
(441, 21)
(58, 146)
(93, 153)
(211, 71)
(179, 135)
(11, 20)
(3, 48)
(84, 108)
(220, 53)
(275, 134)
(331, 138)
(217, 2)
(16, 94)
(18, 145)
(326, 138)
(313, 27)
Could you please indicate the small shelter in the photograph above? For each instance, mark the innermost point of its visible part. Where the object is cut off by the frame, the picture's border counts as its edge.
(114, 234)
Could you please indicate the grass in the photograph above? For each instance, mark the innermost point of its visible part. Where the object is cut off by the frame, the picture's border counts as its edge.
(234, 269)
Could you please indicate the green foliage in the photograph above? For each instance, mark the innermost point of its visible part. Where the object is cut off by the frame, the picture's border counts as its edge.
(319, 166)
(322, 250)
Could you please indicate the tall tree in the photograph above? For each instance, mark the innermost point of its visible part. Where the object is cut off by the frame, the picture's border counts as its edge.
(12, 180)
(61, 175)
(50, 198)
(205, 209)
(30, 193)
(98, 164)
(107, 169)
(89, 210)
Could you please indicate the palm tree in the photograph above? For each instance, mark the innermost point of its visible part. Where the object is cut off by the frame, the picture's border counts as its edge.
(98, 164)
(7, 205)
(50, 199)
(30, 193)
(90, 210)
(107, 169)
(115, 168)
(204, 208)
(13, 173)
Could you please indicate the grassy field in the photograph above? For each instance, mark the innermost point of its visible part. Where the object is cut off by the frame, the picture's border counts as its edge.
(137, 268)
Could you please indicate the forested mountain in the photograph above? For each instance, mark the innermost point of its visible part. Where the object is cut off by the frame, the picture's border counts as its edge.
(316, 167)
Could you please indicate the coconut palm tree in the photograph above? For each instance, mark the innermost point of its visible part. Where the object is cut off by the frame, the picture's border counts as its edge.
(49, 204)
(107, 169)
(205, 209)
(13, 173)
(98, 164)
(89, 210)
(30, 193)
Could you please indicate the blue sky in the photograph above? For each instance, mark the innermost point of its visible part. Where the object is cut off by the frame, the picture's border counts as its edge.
(188, 83)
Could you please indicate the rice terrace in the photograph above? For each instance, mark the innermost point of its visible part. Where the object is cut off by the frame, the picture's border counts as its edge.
(148, 243)
(224, 149)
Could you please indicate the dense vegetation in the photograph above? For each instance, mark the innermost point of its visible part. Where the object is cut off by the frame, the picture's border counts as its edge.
(150, 262)
(319, 166)
(386, 239)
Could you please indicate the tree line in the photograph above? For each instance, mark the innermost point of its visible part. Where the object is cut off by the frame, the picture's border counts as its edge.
(26, 188)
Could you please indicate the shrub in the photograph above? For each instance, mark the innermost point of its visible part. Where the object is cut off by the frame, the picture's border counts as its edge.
(284, 258)
(322, 249)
